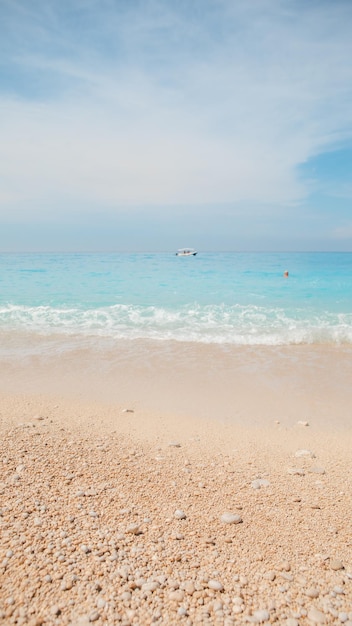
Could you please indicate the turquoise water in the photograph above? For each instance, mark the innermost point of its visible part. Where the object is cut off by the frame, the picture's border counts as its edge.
(226, 298)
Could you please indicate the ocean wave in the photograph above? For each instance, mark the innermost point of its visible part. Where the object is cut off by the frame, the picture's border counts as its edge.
(236, 324)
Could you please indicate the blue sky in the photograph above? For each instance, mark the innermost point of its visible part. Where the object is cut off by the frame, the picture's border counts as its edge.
(155, 124)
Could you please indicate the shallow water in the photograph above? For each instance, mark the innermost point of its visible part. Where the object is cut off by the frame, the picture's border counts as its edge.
(214, 298)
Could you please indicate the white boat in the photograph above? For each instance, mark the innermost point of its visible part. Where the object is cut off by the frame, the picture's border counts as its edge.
(186, 252)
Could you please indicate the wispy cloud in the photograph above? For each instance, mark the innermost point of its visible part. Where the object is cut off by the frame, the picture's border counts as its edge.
(164, 103)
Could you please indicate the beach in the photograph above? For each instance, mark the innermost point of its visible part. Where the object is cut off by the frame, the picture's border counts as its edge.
(174, 483)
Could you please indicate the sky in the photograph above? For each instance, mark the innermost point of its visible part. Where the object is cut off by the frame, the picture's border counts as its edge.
(149, 125)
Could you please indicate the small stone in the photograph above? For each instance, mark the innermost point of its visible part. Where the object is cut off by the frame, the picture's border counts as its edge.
(270, 576)
(66, 585)
(94, 616)
(316, 616)
(336, 565)
(302, 423)
(231, 518)
(304, 453)
(260, 616)
(85, 549)
(177, 595)
(312, 592)
(291, 621)
(182, 612)
(259, 483)
(133, 529)
(174, 444)
(127, 411)
(179, 514)
(215, 585)
(317, 470)
(150, 586)
(296, 471)
(178, 536)
(189, 587)
(55, 610)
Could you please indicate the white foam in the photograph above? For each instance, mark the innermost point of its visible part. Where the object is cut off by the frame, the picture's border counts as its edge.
(240, 325)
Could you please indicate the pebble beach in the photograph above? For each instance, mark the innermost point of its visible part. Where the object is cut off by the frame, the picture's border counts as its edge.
(118, 514)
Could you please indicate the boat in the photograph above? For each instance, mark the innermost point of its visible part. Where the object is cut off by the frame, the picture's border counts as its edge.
(186, 252)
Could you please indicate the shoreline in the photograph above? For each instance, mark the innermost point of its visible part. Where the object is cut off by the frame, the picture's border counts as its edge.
(253, 386)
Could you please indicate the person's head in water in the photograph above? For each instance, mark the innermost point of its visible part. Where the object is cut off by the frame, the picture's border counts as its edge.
(286, 274)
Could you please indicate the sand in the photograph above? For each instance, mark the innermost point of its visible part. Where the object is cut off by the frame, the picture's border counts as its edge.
(194, 485)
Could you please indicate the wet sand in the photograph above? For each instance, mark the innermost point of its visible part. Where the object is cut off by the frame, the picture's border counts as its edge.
(176, 485)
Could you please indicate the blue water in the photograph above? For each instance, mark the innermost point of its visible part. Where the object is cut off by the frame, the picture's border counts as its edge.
(226, 298)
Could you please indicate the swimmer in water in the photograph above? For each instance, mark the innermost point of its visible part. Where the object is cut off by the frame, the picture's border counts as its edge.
(286, 274)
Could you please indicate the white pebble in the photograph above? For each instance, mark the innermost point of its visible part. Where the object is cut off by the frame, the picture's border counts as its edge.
(85, 548)
(179, 514)
(312, 592)
(215, 585)
(231, 518)
(94, 616)
(259, 483)
(316, 616)
(133, 529)
(261, 616)
(150, 586)
(343, 617)
(304, 453)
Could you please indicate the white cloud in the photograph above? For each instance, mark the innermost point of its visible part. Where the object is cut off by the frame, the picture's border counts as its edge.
(219, 107)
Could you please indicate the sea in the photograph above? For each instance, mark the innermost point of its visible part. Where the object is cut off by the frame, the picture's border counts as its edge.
(212, 298)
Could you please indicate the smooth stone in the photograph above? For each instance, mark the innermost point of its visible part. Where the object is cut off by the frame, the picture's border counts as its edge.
(150, 586)
(215, 585)
(133, 529)
(304, 453)
(316, 616)
(302, 423)
(189, 587)
(55, 610)
(176, 595)
(336, 565)
(179, 514)
(93, 617)
(260, 616)
(312, 592)
(231, 518)
(259, 483)
(317, 470)
(174, 444)
(296, 471)
(182, 612)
